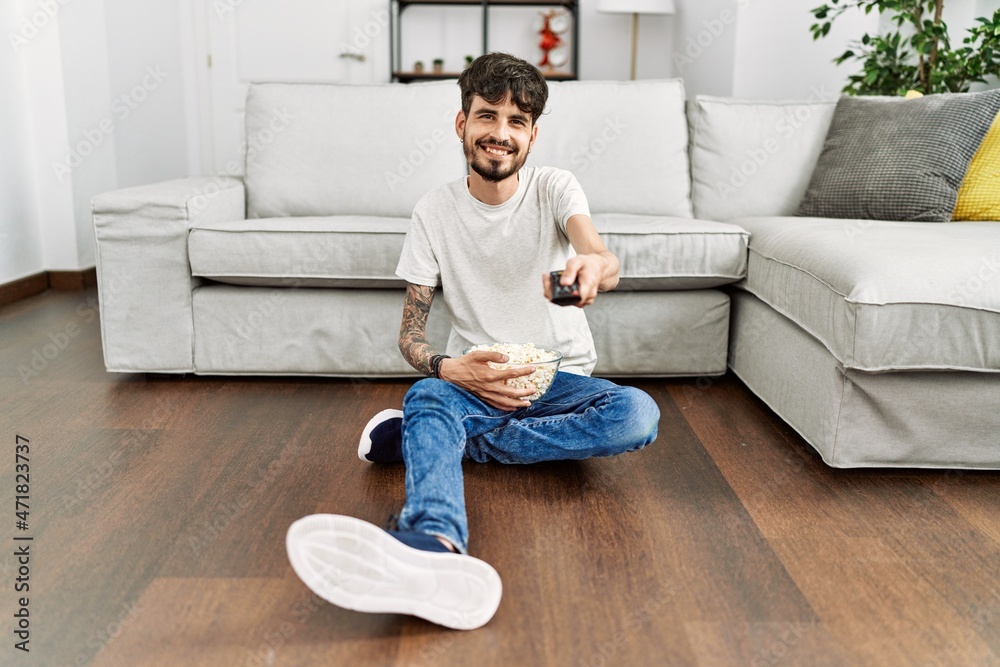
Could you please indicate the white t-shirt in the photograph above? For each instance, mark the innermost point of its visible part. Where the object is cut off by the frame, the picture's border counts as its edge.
(489, 261)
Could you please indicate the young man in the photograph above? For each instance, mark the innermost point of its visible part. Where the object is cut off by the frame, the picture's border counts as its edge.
(490, 240)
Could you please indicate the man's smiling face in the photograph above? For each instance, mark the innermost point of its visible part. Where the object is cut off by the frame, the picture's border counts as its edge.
(496, 137)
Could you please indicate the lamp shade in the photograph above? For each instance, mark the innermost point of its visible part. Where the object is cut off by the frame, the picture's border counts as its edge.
(637, 6)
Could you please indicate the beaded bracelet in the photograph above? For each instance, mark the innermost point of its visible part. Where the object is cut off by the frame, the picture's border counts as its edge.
(436, 364)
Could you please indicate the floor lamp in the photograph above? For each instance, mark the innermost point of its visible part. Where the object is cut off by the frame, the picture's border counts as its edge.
(636, 7)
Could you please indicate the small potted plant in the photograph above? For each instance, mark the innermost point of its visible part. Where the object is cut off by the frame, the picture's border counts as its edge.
(418, 66)
(468, 61)
(439, 65)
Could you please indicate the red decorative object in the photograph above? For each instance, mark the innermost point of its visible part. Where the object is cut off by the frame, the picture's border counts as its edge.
(549, 40)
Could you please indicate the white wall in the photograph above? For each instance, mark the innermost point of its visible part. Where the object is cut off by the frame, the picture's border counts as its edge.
(38, 52)
(705, 46)
(84, 46)
(50, 139)
(20, 232)
(760, 49)
(986, 7)
(88, 116)
(146, 77)
(776, 56)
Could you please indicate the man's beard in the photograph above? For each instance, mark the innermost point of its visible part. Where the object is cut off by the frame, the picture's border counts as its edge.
(493, 171)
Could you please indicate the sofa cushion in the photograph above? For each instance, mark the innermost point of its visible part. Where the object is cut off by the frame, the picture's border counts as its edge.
(328, 149)
(884, 296)
(673, 253)
(340, 251)
(356, 251)
(626, 142)
(979, 195)
(887, 158)
(277, 331)
(751, 157)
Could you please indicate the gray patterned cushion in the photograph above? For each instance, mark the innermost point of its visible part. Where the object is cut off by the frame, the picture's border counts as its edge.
(888, 158)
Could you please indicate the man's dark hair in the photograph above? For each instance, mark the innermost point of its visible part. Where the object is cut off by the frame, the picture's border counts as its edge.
(494, 75)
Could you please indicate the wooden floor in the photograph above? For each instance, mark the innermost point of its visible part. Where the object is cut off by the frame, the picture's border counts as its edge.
(159, 507)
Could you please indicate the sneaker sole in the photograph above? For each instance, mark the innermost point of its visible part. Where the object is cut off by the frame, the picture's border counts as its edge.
(356, 565)
(365, 444)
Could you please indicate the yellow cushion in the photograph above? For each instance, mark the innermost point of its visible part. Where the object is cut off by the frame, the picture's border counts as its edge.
(979, 196)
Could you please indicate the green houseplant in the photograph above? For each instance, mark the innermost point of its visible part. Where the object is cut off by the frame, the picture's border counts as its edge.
(917, 54)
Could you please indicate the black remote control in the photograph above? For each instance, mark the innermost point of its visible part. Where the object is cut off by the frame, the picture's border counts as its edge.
(562, 295)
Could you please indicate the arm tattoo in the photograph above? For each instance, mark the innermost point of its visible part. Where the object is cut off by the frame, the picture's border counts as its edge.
(412, 337)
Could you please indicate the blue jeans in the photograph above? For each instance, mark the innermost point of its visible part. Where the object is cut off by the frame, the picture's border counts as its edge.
(577, 418)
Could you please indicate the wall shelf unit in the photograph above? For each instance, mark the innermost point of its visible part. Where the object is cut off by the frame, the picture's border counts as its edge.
(397, 9)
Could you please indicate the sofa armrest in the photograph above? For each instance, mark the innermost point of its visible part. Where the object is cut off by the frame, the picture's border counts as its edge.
(143, 274)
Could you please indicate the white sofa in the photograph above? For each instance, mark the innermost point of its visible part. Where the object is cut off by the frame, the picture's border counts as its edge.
(879, 342)
(290, 270)
(850, 330)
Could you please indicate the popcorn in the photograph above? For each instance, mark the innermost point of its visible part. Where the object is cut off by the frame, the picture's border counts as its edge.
(546, 364)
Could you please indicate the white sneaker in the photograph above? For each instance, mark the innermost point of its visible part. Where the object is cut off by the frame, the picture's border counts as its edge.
(356, 565)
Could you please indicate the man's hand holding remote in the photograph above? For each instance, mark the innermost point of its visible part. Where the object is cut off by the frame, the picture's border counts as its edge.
(582, 272)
